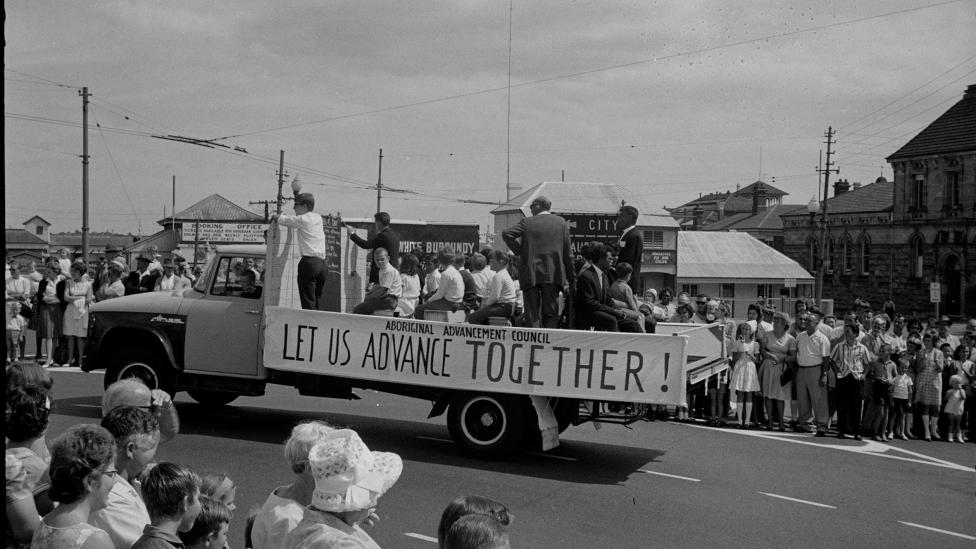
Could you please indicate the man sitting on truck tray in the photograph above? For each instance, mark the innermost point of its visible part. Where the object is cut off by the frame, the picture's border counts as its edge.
(593, 306)
(450, 287)
(385, 293)
(501, 298)
(311, 245)
(470, 297)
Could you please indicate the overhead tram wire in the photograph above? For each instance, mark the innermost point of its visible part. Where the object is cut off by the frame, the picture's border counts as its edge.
(42, 80)
(115, 166)
(590, 71)
(871, 147)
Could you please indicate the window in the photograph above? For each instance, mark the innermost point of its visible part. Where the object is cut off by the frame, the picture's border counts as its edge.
(953, 194)
(916, 256)
(764, 291)
(653, 239)
(864, 255)
(690, 289)
(847, 255)
(829, 262)
(230, 274)
(39, 230)
(727, 291)
(918, 199)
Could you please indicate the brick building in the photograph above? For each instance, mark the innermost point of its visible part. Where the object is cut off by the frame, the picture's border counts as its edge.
(890, 240)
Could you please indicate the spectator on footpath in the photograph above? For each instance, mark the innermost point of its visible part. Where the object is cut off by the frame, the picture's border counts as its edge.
(898, 334)
(104, 259)
(78, 296)
(27, 459)
(944, 323)
(112, 286)
(482, 275)
(16, 324)
(668, 304)
(26, 374)
(209, 530)
(501, 297)
(284, 507)
(49, 310)
(64, 259)
(385, 238)
(410, 280)
(82, 475)
(778, 349)
(132, 392)
(955, 399)
(311, 245)
(701, 310)
(182, 270)
(849, 360)
(874, 339)
(219, 487)
(172, 495)
(745, 377)
(630, 246)
(349, 480)
(471, 505)
(812, 359)
(877, 394)
(170, 281)
(385, 293)
(683, 314)
(450, 287)
(476, 532)
(929, 363)
(901, 398)
(593, 304)
(142, 279)
(545, 266)
(136, 434)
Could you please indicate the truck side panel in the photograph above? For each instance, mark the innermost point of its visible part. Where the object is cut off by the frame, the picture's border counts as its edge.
(603, 366)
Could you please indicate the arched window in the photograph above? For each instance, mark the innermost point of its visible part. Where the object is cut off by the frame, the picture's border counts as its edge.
(847, 254)
(864, 255)
(916, 255)
(829, 257)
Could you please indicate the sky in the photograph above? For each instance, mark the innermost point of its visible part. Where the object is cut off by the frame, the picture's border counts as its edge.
(669, 99)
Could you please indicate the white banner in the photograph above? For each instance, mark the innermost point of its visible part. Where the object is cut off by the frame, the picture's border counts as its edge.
(239, 233)
(564, 363)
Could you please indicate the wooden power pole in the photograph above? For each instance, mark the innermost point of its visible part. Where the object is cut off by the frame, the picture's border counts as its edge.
(379, 184)
(84, 174)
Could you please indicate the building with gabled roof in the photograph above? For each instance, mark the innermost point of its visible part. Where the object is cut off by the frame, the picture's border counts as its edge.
(23, 244)
(714, 207)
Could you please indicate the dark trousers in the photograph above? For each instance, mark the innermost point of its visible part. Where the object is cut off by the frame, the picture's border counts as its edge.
(495, 309)
(849, 399)
(368, 306)
(311, 280)
(541, 306)
(439, 305)
(650, 324)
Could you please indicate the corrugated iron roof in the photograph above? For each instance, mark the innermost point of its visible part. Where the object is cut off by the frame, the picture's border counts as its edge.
(99, 240)
(585, 197)
(954, 131)
(23, 239)
(46, 222)
(876, 197)
(215, 208)
(767, 220)
(724, 255)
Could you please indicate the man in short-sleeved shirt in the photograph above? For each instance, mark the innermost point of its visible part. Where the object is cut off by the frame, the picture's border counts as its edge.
(812, 356)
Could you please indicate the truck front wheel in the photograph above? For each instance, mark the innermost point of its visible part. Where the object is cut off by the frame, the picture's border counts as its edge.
(141, 365)
(487, 425)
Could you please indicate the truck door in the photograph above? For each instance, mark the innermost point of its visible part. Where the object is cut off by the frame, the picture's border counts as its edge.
(223, 327)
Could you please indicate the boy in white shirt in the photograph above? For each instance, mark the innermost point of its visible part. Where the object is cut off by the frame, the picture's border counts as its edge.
(501, 298)
(389, 280)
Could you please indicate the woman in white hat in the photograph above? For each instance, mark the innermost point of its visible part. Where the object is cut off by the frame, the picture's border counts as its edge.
(349, 479)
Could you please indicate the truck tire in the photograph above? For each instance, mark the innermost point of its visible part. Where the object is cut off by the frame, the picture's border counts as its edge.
(488, 426)
(212, 398)
(141, 364)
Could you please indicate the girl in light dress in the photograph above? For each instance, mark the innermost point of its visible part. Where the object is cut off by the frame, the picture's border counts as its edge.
(409, 266)
(78, 297)
(745, 378)
(955, 399)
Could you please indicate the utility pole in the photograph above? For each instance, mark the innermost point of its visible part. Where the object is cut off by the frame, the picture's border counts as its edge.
(266, 203)
(826, 171)
(281, 179)
(172, 213)
(379, 184)
(84, 173)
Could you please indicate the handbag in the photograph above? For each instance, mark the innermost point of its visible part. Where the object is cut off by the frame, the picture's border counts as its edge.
(787, 375)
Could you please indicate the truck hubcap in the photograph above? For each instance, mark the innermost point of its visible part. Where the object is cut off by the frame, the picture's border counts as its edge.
(483, 420)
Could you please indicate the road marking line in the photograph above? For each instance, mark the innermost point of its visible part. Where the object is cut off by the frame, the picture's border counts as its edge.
(679, 477)
(553, 456)
(869, 448)
(939, 530)
(815, 504)
(420, 536)
(435, 439)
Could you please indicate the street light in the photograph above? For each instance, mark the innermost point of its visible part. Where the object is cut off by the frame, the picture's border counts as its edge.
(813, 207)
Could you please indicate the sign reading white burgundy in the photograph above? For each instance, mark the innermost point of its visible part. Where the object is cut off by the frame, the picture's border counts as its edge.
(562, 363)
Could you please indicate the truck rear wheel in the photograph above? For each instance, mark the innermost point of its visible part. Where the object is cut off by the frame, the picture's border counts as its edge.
(487, 425)
(212, 398)
(142, 365)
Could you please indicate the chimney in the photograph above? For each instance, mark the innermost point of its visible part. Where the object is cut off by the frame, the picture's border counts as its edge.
(841, 187)
(758, 198)
(699, 216)
(970, 92)
(856, 186)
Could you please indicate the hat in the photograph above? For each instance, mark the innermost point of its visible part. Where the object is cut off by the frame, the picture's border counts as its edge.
(120, 263)
(652, 291)
(145, 258)
(945, 320)
(168, 264)
(348, 476)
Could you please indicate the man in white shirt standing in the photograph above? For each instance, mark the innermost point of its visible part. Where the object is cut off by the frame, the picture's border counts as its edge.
(389, 280)
(501, 298)
(450, 288)
(311, 244)
(812, 359)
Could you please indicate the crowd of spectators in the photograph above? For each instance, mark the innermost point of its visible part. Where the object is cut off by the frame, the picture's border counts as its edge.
(53, 301)
(102, 486)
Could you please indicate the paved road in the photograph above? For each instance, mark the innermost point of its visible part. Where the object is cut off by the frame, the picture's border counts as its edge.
(659, 485)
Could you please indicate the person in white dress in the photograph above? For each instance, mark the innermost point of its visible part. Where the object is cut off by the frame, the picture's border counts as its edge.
(78, 297)
(409, 267)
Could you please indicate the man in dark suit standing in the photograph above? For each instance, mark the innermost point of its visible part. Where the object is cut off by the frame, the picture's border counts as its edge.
(594, 308)
(630, 247)
(545, 262)
(385, 237)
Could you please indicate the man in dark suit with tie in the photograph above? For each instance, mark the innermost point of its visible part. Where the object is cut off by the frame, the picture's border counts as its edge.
(630, 247)
(594, 308)
(385, 237)
(545, 262)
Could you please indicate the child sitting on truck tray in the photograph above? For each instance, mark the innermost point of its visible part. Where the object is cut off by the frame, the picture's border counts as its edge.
(385, 293)
(623, 295)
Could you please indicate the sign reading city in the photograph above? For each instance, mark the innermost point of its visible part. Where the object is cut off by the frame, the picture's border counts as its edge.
(935, 292)
(223, 233)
